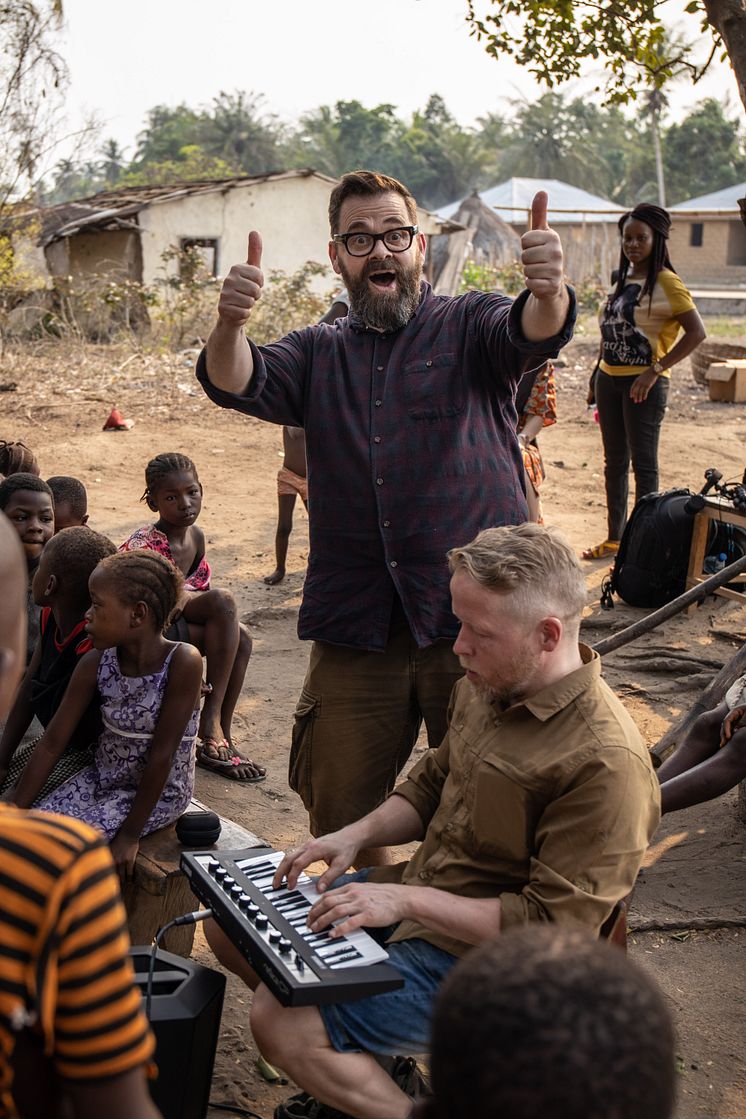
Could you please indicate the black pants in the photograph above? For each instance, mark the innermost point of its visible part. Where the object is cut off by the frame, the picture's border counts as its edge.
(629, 431)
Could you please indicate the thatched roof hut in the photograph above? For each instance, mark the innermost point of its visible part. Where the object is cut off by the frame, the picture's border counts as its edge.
(486, 239)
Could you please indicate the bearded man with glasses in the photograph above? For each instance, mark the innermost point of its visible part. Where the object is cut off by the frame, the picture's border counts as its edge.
(408, 410)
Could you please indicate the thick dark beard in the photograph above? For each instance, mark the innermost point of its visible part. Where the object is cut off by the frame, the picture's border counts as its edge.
(385, 311)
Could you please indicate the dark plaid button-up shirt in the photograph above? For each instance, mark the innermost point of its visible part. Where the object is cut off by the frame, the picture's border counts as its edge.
(411, 448)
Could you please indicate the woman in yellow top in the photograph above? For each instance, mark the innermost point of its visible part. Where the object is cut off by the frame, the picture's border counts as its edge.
(640, 324)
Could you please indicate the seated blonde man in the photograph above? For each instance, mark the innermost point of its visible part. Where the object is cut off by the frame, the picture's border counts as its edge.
(536, 808)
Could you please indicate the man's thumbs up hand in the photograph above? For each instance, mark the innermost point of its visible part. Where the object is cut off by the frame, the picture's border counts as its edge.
(255, 249)
(542, 260)
(242, 286)
(539, 210)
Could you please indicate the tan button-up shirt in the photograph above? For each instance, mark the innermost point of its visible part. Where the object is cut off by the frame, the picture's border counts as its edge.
(549, 804)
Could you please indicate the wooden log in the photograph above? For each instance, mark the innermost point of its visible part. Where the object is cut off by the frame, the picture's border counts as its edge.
(160, 891)
(694, 594)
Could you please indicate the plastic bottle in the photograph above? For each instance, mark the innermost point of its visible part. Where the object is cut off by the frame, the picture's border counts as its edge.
(714, 564)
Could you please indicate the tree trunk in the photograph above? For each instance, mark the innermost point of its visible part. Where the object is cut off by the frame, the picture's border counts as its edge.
(728, 17)
(655, 128)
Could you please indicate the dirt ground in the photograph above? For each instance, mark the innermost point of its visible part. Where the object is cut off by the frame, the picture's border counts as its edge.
(695, 869)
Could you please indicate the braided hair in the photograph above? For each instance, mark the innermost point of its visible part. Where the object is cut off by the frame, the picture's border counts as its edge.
(17, 482)
(17, 458)
(159, 467)
(144, 576)
(659, 221)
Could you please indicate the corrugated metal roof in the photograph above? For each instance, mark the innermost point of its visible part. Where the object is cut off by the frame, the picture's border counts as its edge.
(725, 199)
(512, 201)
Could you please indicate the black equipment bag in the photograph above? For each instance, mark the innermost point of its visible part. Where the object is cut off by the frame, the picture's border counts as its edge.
(650, 567)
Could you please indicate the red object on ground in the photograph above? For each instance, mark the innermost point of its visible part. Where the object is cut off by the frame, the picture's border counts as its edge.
(117, 422)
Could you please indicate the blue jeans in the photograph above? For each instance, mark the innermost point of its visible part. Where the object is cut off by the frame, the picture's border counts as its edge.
(394, 1022)
(629, 431)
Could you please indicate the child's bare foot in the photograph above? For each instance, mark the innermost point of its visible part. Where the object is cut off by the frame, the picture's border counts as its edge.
(276, 577)
(221, 757)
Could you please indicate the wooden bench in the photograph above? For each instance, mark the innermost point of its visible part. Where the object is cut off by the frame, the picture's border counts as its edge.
(716, 510)
(159, 890)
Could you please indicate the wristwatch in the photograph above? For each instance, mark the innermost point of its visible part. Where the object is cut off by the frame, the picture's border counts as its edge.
(657, 367)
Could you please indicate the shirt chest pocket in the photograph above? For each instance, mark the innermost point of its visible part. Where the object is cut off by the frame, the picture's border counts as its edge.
(434, 387)
(504, 815)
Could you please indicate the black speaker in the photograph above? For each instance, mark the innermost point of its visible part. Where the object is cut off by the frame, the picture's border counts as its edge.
(185, 1007)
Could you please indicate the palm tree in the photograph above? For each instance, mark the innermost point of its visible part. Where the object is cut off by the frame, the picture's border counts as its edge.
(113, 162)
(674, 48)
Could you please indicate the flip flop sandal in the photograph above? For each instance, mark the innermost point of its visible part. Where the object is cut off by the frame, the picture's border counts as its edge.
(303, 1106)
(404, 1071)
(224, 766)
(601, 551)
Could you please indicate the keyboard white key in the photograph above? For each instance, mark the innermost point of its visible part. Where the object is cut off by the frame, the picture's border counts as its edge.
(352, 950)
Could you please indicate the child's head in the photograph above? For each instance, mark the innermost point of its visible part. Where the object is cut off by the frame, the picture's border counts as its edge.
(17, 458)
(131, 589)
(546, 1021)
(172, 489)
(66, 565)
(14, 581)
(28, 504)
(70, 502)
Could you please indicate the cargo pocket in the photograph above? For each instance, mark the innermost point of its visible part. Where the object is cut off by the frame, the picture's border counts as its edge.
(299, 765)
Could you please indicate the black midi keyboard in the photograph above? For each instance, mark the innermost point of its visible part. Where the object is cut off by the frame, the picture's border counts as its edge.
(268, 926)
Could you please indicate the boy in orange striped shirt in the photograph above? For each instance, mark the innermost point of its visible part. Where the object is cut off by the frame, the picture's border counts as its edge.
(72, 1031)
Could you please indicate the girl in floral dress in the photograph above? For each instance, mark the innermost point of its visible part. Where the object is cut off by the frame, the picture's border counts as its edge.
(208, 617)
(142, 774)
(538, 412)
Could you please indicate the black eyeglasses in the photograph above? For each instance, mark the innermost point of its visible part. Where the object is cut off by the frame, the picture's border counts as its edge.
(361, 244)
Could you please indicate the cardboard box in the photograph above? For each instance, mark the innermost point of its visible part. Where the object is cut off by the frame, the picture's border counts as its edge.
(726, 380)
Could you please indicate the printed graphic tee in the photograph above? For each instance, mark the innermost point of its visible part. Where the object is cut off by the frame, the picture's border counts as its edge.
(635, 331)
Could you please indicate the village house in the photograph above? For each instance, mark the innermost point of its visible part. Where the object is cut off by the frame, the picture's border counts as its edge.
(132, 233)
(586, 222)
(708, 239)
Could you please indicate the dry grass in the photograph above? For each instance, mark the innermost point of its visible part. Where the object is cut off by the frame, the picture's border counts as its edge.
(61, 379)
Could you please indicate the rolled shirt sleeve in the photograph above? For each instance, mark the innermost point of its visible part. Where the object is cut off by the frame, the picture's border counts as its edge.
(579, 872)
(424, 785)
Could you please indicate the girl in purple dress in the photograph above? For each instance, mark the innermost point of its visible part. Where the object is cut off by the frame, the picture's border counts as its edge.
(142, 774)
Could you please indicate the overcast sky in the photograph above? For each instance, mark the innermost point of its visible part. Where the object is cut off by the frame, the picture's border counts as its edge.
(299, 54)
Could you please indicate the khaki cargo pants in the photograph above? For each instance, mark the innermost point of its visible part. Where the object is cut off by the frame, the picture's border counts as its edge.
(357, 720)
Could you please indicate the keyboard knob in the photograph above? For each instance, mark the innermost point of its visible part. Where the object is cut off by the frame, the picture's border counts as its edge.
(212, 866)
(261, 921)
(244, 902)
(251, 910)
(221, 873)
(275, 937)
(284, 946)
(236, 891)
